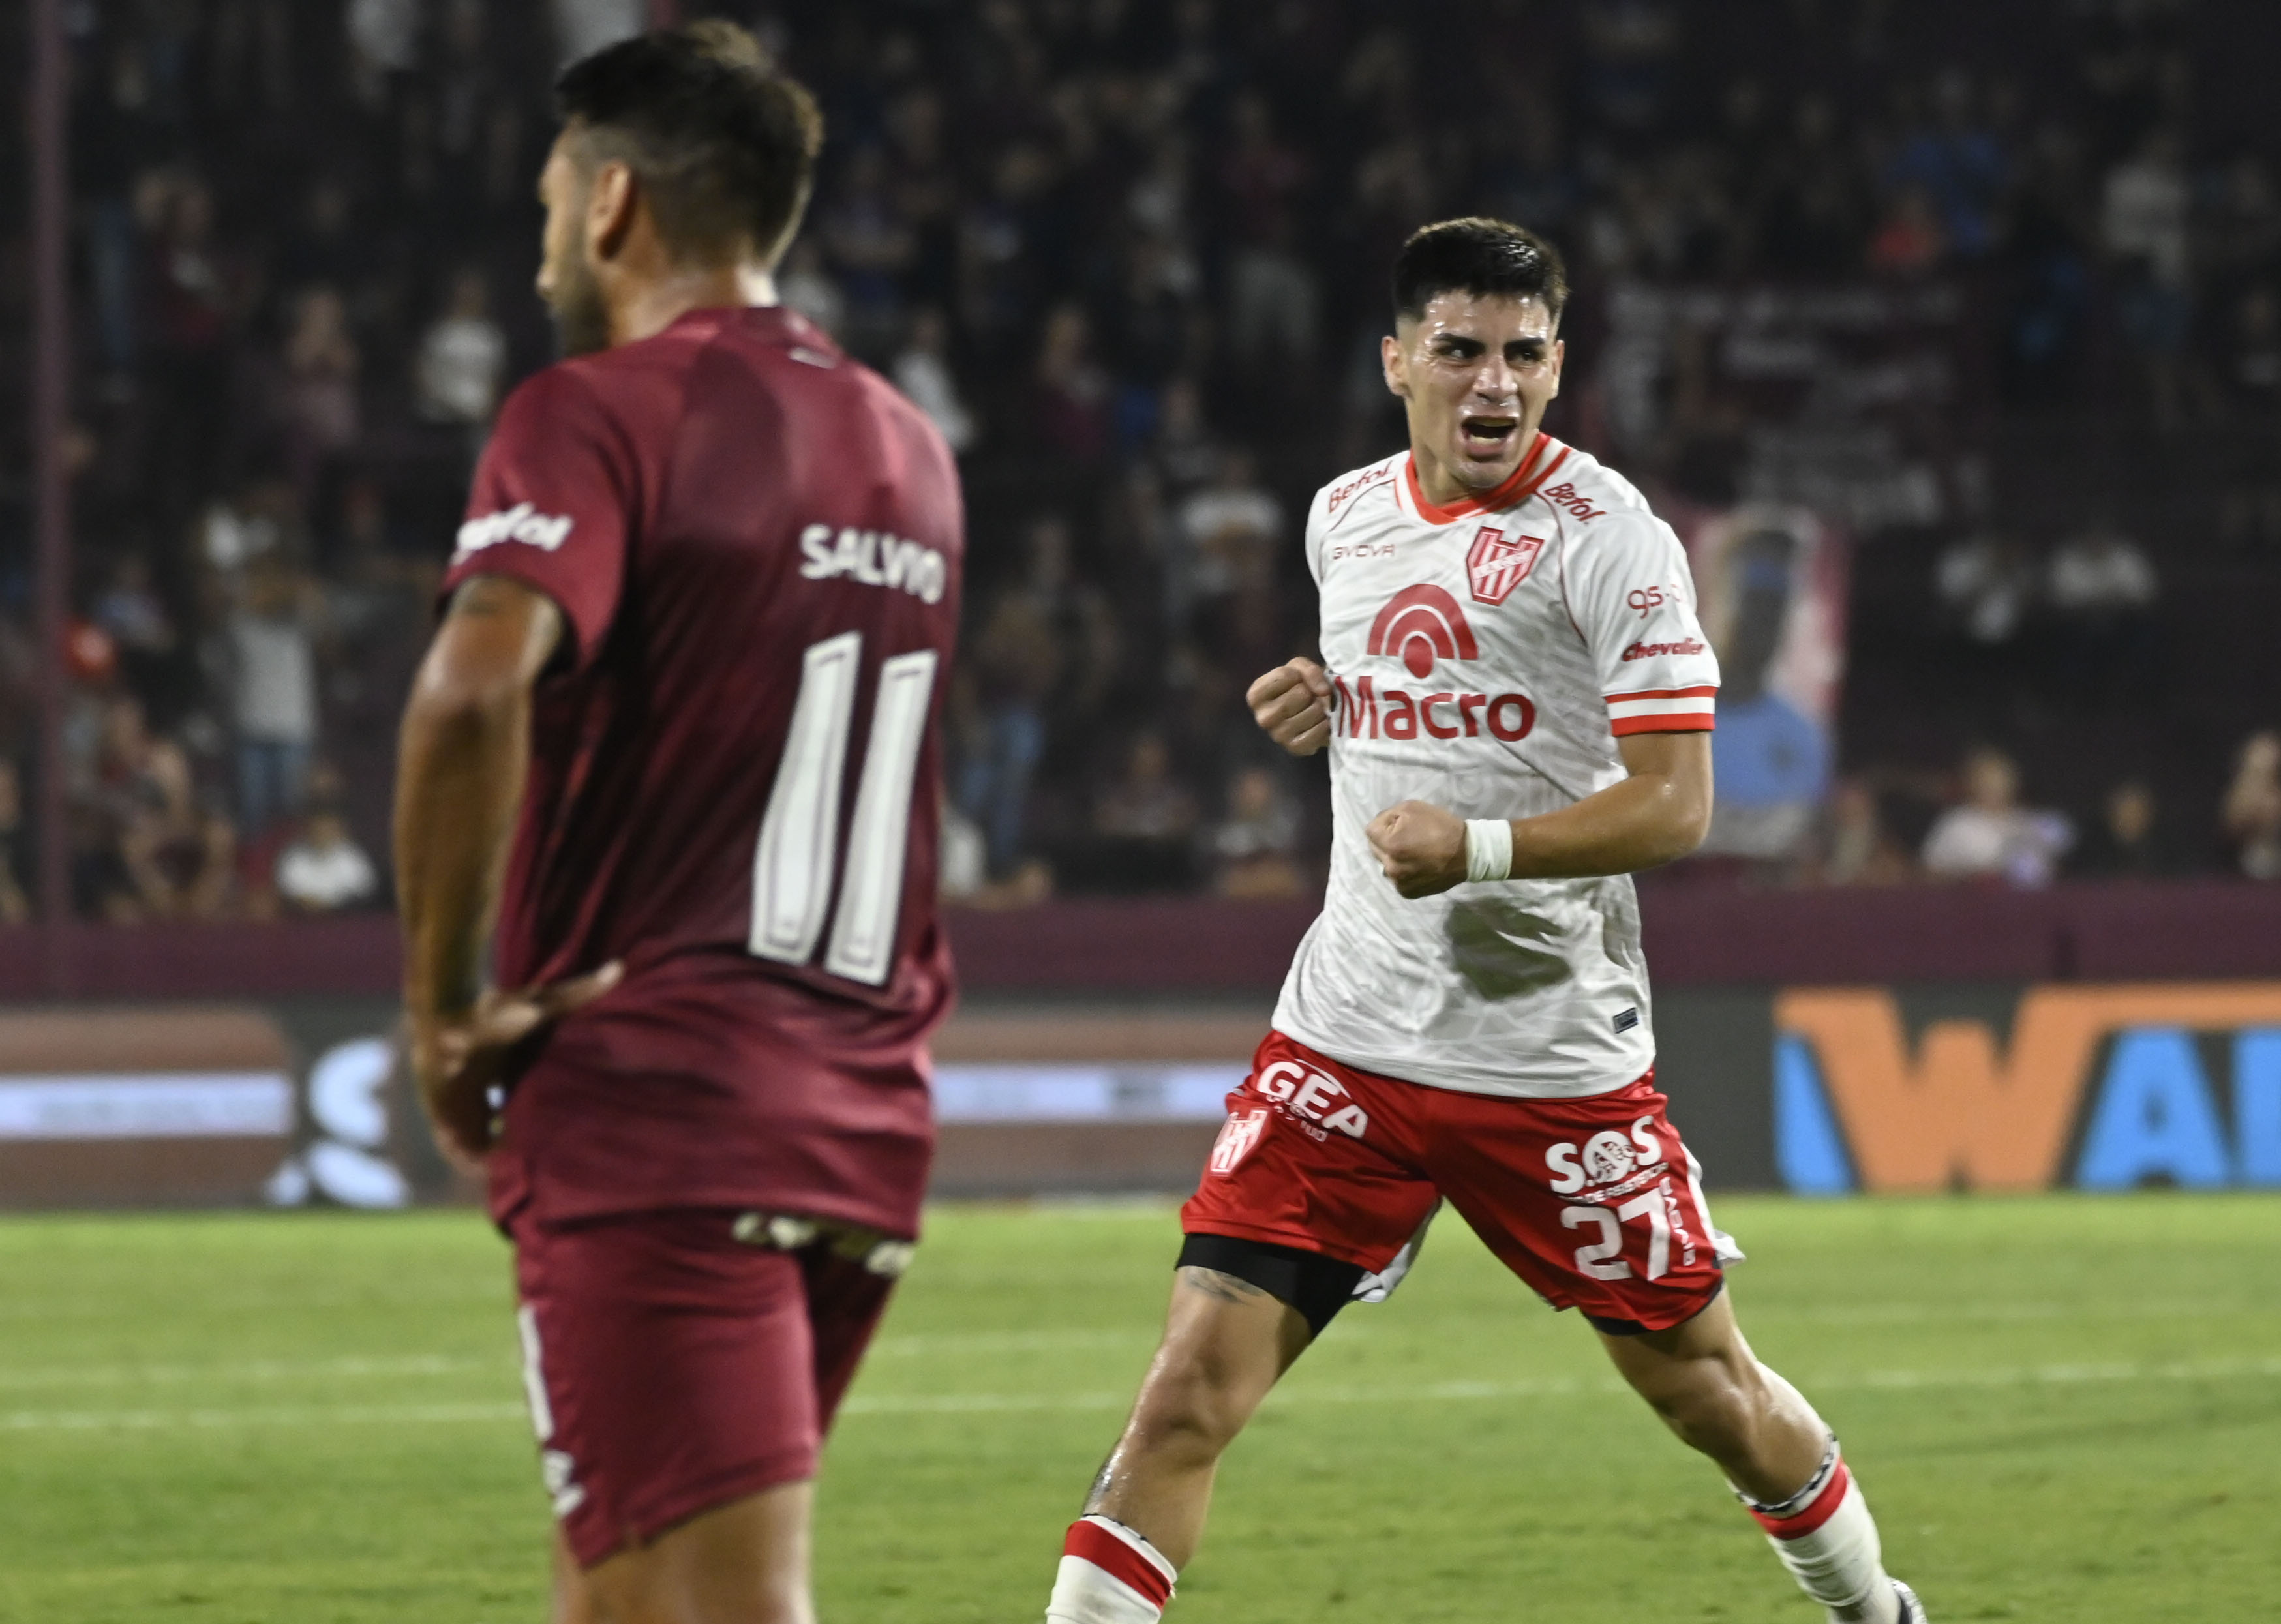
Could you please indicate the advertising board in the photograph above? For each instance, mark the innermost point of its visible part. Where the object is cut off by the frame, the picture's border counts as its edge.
(2100, 1088)
(191, 1105)
(1817, 1090)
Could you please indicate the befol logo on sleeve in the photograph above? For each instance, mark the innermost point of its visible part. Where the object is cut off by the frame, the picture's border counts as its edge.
(521, 523)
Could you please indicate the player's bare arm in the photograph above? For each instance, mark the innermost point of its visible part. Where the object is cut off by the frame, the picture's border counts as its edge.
(1292, 705)
(1659, 812)
(461, 757)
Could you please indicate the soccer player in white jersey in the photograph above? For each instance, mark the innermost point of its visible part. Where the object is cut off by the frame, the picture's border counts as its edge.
(1518, 700)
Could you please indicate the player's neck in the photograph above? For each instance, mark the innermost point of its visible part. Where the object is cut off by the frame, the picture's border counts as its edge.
(1444, 489)
(657, 303)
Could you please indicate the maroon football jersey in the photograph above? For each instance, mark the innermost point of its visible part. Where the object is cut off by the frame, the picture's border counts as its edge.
(756, 546)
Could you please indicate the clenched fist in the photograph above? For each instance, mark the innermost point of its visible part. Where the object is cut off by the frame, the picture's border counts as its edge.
(1420, 847)
(1292, 705)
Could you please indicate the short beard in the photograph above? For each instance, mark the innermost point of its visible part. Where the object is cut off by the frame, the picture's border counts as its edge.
(581, 318)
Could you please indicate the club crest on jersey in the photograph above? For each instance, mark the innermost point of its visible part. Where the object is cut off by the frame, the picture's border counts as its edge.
(1237, 1135)
(1496, 564)
(1420, 624)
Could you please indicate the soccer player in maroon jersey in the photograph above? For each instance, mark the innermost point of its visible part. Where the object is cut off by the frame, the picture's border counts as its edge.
(675, 737)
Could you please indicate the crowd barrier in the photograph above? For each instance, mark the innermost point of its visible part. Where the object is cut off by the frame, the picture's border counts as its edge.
(1820, 1042)
(1697, 935)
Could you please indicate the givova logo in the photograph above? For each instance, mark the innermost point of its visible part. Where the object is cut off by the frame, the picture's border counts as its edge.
(2100, 1086)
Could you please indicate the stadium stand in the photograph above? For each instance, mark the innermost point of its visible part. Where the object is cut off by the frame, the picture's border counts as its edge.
(2015, 331)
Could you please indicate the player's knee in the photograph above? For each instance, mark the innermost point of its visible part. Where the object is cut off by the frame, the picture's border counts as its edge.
(1190, 1411)
(1192, 1426)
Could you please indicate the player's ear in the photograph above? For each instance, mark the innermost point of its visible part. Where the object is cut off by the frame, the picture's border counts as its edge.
(1559, 357)
(1395, 362)
(611, 202)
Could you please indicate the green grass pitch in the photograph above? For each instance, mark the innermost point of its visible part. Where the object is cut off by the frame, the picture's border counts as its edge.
(2063, 1409)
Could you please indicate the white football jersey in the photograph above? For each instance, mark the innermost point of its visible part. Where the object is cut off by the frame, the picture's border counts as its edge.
(1486, 657)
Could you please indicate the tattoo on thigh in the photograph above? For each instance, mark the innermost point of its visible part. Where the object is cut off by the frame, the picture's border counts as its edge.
(1226, 1288)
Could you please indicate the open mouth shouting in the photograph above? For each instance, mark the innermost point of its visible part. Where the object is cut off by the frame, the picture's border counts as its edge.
(1488, 438)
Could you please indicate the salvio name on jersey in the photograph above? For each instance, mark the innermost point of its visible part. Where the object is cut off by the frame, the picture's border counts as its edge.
(875, 559)
(1366, 711)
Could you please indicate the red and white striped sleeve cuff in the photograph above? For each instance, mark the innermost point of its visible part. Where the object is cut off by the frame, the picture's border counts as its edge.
(1663, 710)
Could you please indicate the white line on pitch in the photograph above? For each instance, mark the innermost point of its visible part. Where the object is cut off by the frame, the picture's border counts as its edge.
(452, 1364)
(953, 1343)
(253, 1370)
(960, 1403)
(936, 1344)
(115, 1306)
(1459, 1392)
(154, 1420)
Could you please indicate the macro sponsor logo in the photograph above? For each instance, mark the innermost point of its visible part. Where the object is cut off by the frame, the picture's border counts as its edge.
(1565, 495)
(1420, 624)
(521, 523)
(2100, 1086)
(874, 558)
(1316, 1100)
(1495, 565)
(1649, 651)
(1356, 486)
(1366, 711)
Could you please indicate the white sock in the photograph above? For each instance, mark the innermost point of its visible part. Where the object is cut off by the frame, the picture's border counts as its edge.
(1109, 1575)
(1826, 1537)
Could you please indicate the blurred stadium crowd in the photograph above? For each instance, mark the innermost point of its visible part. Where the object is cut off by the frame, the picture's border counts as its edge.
(1994, 291)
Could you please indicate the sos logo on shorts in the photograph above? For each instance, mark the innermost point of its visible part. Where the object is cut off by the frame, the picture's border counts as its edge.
(1606, 1158)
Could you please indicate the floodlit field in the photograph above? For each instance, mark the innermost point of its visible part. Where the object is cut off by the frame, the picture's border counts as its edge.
(2065, 1409)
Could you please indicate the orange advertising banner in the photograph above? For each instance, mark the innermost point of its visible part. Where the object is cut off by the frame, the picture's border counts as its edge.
(2120, 1075)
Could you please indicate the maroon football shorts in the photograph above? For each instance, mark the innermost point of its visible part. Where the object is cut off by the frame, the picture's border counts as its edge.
(676, 1361)
(1594, 1202)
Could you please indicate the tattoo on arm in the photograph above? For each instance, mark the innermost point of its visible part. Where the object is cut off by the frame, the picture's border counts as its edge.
(481, 596)
(1226, 1288)
(1103, 1481)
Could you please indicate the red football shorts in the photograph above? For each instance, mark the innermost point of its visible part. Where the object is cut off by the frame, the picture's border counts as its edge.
(673, 1368)
(1594, 1202)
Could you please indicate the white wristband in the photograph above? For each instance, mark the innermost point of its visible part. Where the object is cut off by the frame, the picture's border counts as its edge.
(1489, 848)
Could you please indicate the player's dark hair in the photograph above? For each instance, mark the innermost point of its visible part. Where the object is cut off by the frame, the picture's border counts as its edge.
(1477, 256)
(722, 144)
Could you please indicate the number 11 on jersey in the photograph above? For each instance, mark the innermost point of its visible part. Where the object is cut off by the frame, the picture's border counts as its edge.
(793, 863)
